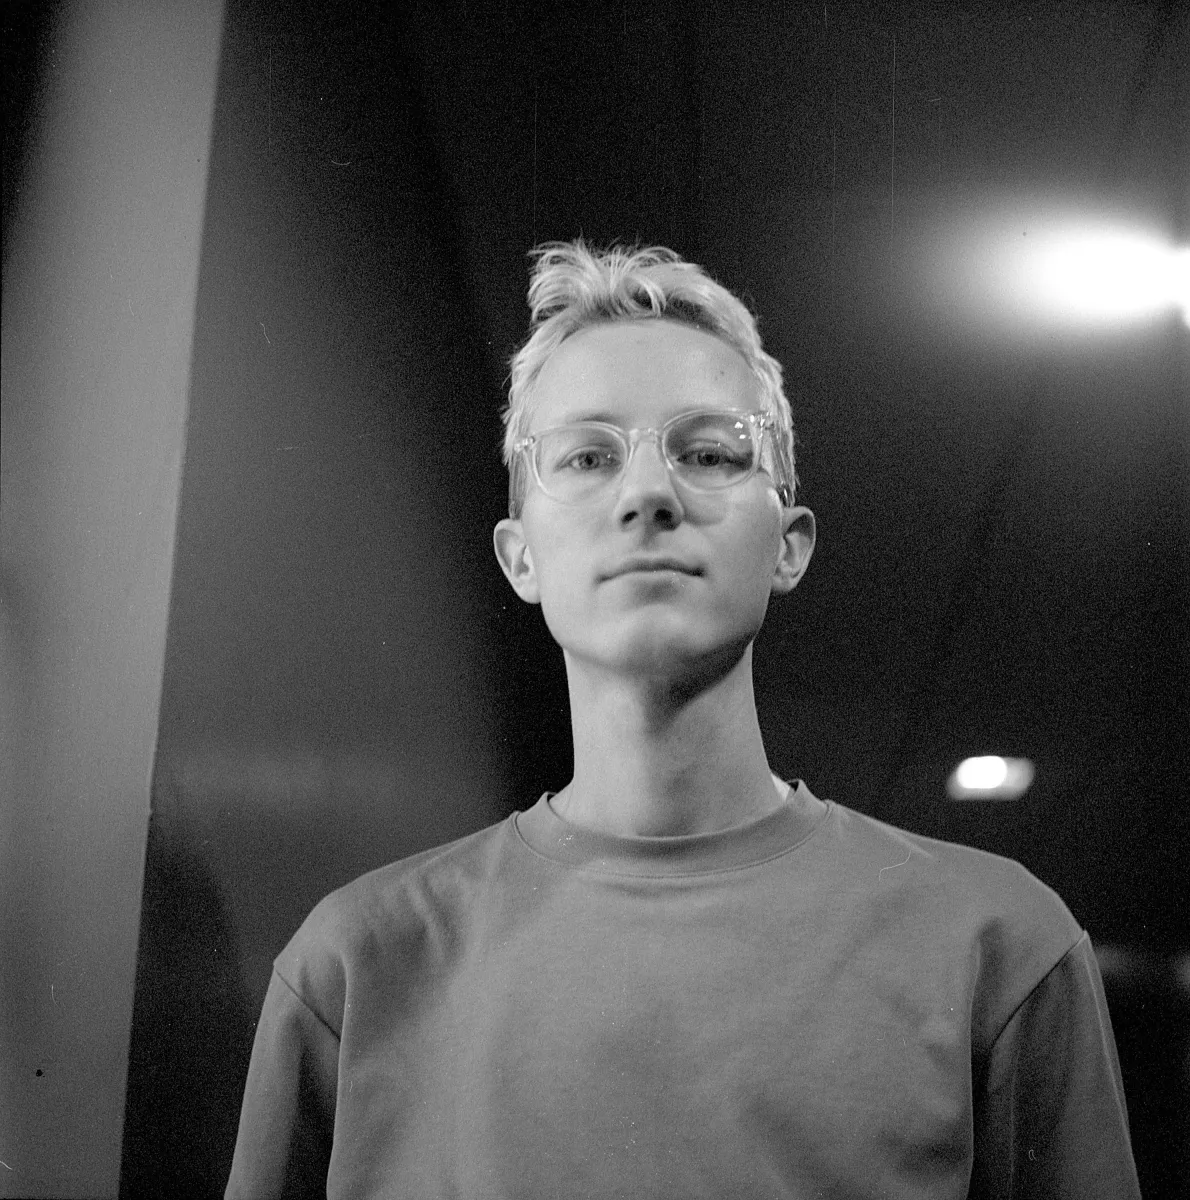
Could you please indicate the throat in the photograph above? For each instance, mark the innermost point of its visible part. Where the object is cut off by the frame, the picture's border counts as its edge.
(654, 759)
(682, 813)
(643, 769)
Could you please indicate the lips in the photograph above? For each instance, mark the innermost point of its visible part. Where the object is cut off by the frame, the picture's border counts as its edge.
(644, 564)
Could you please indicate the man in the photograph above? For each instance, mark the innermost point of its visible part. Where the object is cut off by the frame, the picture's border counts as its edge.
(679, 976)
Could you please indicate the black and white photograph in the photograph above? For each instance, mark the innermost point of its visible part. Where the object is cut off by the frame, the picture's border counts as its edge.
(594, 600)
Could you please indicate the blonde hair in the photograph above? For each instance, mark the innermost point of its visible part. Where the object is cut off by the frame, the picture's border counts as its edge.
(573, 286)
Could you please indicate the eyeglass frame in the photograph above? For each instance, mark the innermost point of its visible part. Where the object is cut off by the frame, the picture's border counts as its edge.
(759, 423)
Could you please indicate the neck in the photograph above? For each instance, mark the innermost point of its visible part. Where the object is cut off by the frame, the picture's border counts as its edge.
(653, 759)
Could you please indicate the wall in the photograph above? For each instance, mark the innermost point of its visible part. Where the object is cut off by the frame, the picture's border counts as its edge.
(101, 268)
(327, 706)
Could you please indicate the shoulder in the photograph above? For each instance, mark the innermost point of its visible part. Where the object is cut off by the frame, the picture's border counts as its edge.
(412, 908)
(960, 879)
(952, 900)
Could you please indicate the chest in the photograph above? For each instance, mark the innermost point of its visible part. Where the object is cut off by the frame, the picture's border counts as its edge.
(684, 1039)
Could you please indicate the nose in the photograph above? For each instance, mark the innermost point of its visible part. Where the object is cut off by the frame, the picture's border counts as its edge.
(647, 493)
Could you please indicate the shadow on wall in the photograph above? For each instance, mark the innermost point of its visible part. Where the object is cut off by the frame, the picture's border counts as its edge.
(192, 1028)
(1148, 996)
(242, 845)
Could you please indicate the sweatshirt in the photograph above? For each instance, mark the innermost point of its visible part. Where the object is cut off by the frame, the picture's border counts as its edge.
(811, 1005)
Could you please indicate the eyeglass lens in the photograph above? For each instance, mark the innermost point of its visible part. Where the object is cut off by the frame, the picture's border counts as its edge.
(706, 450)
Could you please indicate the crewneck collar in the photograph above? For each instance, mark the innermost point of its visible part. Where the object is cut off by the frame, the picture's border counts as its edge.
(553, 837)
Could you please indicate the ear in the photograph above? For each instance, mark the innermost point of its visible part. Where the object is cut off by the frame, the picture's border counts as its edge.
(512, 553)
(797, 544)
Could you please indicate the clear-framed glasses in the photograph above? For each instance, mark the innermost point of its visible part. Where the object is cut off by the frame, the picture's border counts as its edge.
(706, 450)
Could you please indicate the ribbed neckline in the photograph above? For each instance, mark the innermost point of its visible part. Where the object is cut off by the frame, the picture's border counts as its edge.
(549, 835)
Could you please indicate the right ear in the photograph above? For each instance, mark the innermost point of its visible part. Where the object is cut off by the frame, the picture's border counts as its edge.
(512, 553)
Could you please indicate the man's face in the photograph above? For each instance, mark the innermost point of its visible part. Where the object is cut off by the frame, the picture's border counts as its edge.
(650, 577)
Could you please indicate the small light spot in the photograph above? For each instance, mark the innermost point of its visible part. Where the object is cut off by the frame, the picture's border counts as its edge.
(983, 773)
(990, 777)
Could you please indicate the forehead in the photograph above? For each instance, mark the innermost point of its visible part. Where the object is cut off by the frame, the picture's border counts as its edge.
(640, 373)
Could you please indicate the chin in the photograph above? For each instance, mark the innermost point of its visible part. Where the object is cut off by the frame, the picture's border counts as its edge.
(664, 649)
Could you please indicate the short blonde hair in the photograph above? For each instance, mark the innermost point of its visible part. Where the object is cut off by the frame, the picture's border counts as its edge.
(573, 286)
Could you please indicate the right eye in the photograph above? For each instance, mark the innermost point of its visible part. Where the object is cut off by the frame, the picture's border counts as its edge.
(588, 458)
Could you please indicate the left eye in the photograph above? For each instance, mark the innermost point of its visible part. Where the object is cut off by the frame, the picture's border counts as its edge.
(710, 455)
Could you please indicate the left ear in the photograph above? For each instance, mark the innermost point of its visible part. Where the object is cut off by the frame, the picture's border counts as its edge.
(797, 544)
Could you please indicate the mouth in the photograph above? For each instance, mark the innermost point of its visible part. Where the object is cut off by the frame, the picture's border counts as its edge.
(644, 566)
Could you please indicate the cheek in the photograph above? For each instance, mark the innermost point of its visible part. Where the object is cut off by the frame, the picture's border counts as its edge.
(752, 587)
(757, 548)
(559, 565)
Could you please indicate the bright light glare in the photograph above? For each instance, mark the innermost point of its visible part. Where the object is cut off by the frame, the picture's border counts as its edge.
(990, 777)
(981, 774)
(1048, 265)
(1107, 275)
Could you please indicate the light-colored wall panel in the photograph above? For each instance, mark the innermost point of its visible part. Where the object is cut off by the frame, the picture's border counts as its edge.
(99, 293)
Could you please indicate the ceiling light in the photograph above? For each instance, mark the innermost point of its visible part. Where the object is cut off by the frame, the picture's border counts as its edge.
(990, 777)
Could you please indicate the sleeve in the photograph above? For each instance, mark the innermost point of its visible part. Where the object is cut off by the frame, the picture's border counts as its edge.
(1050, 1119)
(287, 1119)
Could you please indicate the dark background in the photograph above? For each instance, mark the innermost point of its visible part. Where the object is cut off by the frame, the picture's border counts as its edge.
(1002, 558)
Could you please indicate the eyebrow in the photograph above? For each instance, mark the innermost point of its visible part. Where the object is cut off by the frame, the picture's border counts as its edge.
(576, 418)
(603, 415)
(610, 418)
